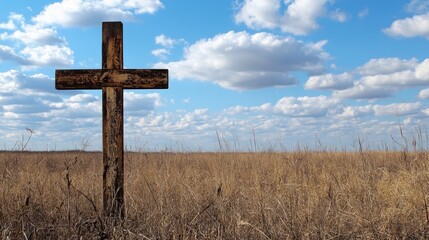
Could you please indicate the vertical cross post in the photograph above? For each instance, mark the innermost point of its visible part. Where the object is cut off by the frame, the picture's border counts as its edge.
(113, 127)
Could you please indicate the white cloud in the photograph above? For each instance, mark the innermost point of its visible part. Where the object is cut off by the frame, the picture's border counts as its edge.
(35, 35)
(355, 111)
(14, 81)
(8, 82)
(165, 41)
(244, 61)
(397, 109)
(31, 34)
(408, 74)
(301, 107)
(361, 91)
(417, 6)
(300, 16)
(386, 66)
(49, 55)
(83, 97)
(401, 78)
(40, 56)
(330, 81)
(258, 14)
(161, 52)
(415, 26)
(23, 94)
(148, 6)
(424, 94)
(34, 46)
(177, 123)
(422, 70)
(8, 25)
(70, 13)
(9, 54)
(378, 78)
(12, 22)
(76, 108)
(306, 106)
(266, 107)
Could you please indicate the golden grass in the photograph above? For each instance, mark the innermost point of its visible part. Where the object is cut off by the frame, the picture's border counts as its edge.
(369, 195)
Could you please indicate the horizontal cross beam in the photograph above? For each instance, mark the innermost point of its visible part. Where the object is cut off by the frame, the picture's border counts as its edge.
(124, 78)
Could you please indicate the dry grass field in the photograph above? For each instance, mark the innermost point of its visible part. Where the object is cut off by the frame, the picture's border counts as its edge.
(296, 195)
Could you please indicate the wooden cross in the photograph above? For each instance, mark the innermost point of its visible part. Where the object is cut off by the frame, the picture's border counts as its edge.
(112, 79)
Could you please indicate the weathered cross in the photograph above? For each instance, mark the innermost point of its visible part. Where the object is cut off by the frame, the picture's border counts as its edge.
(112, 79)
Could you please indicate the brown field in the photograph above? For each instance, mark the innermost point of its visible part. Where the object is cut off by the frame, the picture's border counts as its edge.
(316, 195)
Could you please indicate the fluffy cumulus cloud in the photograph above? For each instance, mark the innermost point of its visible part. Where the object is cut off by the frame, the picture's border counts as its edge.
(165, 41)
(386, 66)
(38, 56)
(378, 78)
(32, 46)
(34, 35)
(239, 60)
(70, 13)
(355, 111)
(306, 106)
(300, 16)
(48, 55)
(330, 81)
(415, 26)
(362, 91)
(259, 13)
(15, 81)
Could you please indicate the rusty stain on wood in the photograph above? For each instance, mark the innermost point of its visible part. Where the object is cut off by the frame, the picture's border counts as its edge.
(112, 79)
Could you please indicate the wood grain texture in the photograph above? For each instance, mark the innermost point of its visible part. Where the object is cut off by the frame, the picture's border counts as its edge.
(113, 155)
(112, 48)
(125, 78)
(113, 126)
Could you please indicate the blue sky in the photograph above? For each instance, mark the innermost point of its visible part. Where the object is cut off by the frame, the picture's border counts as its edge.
(287, 73)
